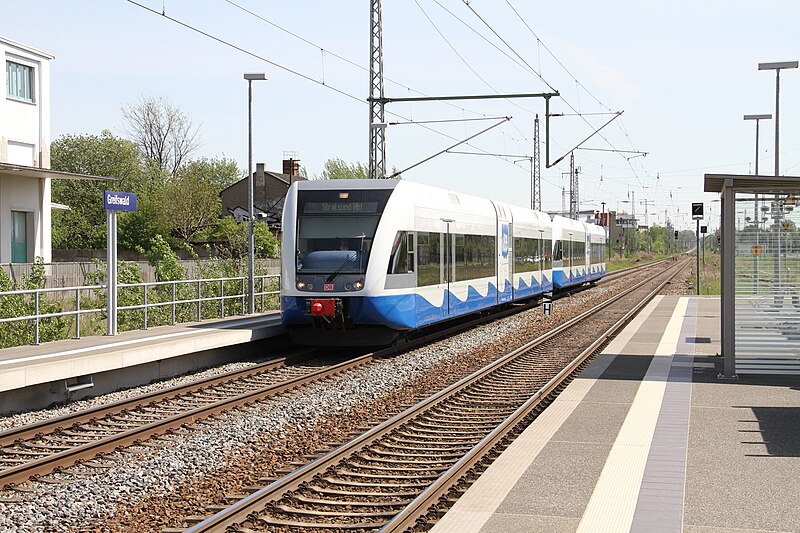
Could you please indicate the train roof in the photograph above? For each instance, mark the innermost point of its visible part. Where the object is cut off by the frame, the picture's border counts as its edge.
(568, 224)
(346, 184)
(413, 188)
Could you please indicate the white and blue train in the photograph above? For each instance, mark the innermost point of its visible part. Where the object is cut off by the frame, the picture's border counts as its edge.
(367, 261)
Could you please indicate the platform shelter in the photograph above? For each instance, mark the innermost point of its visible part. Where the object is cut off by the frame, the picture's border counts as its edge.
(760, 252)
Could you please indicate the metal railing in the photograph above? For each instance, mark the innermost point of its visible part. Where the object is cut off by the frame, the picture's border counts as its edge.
(175, 299)
(36, 317)
(73, 274)
(146, 297)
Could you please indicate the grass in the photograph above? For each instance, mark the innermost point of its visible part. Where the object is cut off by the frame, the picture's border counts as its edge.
(710, 281)
(616, 263)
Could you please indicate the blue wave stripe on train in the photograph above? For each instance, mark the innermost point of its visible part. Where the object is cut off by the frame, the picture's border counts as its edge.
(533, 288)
(407, 311)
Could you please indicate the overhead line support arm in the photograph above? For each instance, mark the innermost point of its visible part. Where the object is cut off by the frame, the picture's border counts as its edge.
(595, 132)
(384, 100)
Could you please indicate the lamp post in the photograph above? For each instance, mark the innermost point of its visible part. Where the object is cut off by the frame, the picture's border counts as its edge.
(251, 267)
(757, 118)
(777, 67)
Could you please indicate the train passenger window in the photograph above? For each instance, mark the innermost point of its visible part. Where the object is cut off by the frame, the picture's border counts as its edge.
(479, 256)
(578, 252)
(401, 260)
(558, 253)
(548, 254)
(460, 263)
(398, 259)
(527, 255)
(410, 247)
(428, 258)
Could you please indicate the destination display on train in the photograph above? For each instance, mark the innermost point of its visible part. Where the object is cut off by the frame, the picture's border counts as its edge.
(340, 207)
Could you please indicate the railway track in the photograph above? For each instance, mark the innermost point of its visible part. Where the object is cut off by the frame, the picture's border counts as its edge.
(33, 451)
(405, 472)
(36, 451)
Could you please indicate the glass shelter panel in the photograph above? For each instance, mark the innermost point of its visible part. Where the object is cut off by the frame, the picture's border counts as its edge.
(767, 271)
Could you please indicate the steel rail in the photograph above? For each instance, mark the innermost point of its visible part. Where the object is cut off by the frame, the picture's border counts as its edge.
(89, 450)
(414, 515)
(240, 511)
(47, 464)
(31, 430)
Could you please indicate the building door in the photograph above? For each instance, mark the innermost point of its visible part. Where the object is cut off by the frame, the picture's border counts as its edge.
(19, 237)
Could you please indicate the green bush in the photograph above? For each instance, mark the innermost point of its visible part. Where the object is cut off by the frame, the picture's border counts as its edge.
(15, 305)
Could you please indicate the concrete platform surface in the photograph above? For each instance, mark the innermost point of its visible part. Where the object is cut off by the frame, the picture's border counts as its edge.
(47, 372)
(648, 439)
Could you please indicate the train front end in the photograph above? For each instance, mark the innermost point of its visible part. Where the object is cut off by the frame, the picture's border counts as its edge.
(329, 230)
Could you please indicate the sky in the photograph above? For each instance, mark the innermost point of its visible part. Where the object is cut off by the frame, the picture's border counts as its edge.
(683, 74)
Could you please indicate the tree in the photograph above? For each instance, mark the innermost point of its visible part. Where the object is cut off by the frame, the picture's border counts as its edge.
(162, 131)
(83, 226)
(189, 200)
(337, 169)
(231, 239)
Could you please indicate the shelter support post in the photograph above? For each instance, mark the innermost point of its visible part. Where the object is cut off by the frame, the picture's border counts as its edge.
(728, 292)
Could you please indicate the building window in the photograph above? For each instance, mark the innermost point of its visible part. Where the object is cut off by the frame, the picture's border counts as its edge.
(19, 81)
(19, 237)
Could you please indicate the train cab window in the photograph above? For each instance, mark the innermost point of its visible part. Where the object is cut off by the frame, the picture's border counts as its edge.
(335, 229)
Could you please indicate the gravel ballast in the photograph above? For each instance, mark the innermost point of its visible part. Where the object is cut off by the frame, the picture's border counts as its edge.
(150, 487)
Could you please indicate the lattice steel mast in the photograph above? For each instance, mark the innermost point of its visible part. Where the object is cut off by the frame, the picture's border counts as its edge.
(536, 178)
(574, 194)
(377, 124)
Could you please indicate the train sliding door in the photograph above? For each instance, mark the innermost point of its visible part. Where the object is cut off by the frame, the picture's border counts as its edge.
(448, 274)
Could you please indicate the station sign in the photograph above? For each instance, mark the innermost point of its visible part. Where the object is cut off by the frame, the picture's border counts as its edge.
(119, 201)
(697, 210)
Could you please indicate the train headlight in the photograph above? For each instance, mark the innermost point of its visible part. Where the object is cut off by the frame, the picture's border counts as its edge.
(348, 286)
(359, 285)
(301, 285)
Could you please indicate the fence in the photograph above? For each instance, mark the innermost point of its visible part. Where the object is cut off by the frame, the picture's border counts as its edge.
(142, 305)
(63, 275)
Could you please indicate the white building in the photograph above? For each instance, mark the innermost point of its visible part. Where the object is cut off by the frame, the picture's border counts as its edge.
(24, 150)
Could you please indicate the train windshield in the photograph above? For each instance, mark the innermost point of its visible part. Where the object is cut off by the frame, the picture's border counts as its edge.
(335, 229)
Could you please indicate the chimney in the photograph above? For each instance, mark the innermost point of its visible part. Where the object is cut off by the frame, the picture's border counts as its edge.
(259, 183)
(291, 167)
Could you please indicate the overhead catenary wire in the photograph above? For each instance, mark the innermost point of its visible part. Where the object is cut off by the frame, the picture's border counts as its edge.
(324, 52)
(284, 68)
(357, 65)
(461, 57)
(366, 69)
(331, 53)
(538, 74)
(540, 43)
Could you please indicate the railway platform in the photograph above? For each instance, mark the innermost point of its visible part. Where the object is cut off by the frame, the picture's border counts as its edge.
(649, 439)
(38, 375)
